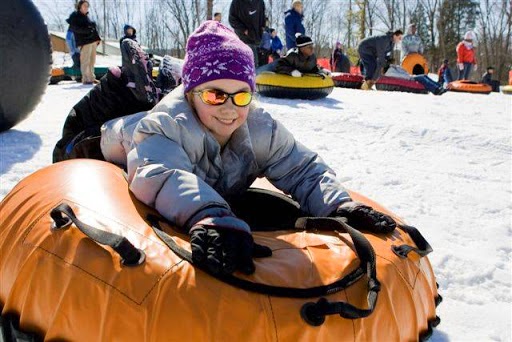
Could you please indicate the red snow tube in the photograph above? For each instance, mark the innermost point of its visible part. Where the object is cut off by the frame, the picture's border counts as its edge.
(465, 86)
(346, 80)
(399, 84)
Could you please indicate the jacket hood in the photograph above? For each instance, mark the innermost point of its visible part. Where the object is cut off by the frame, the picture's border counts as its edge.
(126, 27)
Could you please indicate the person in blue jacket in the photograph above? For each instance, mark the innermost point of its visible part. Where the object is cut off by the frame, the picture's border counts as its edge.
(129, 32)
(293, 23)
(277, 45)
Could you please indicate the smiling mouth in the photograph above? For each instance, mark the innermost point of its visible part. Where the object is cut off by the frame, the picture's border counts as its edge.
(226, 121)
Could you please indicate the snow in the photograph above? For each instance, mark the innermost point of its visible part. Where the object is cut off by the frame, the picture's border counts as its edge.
(442, 163)
(62, 59)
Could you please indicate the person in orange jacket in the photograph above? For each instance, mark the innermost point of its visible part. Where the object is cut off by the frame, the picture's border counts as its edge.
(466, 56)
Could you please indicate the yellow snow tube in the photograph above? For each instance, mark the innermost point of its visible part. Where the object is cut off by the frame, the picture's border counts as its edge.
(119, 273)
(415, 64)
(309, 86)
(507, 89)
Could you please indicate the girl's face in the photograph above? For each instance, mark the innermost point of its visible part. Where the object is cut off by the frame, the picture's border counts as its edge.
(222, 120)
(84, 8)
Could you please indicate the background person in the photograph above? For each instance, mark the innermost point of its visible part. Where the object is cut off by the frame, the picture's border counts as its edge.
(339, 61)
(129, 32)
(466, 56)
(247, 18)
(86, 38)
(293, 23)
(411, 43)
(373, 53)
(277, 45)
(487, 79)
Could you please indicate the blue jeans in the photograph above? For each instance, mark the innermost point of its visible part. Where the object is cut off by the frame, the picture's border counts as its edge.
(267, 67)
(369, 66)
(427, 82)
(464, 73)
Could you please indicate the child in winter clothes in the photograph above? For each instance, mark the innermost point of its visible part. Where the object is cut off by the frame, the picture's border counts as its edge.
(444, 75)
(277, 45)
(300, 60)
(339, 62)
(429, 84)
(466, 59)
(207, 141)
(487, 79)
(129, 32)
(121, 91)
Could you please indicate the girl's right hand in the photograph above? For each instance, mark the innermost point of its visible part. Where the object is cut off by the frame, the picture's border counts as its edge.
(225, 250)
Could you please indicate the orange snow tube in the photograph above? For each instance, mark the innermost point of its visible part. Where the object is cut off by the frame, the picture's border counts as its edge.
(83, 260)
(415, 64)
(466, 86)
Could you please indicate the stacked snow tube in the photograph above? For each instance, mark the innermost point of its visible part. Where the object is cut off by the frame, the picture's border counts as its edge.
(307, 87)
(346, 80)
(58, 75)
(26, 59)
(99, 72)
(415, 64)
(507, 89)
(83, 260)
(387, 83)
(465, 86)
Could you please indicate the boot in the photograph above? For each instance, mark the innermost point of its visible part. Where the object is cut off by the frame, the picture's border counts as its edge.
(137, 68)
(367, 85)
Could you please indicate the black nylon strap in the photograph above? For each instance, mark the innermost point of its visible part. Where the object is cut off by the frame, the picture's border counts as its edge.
(130, 255)
(422, 248)
(279, 291)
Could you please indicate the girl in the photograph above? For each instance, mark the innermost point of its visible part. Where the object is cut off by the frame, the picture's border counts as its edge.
(86, 38)
(206, 141)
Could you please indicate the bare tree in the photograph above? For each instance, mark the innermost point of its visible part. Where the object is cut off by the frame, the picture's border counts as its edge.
(495, 28)
(209, 9)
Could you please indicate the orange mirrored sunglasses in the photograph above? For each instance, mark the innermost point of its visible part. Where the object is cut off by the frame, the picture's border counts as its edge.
(216, 97)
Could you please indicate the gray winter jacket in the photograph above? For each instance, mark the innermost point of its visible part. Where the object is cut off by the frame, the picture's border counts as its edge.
(411, 43)
(378, 47)
(177, 166)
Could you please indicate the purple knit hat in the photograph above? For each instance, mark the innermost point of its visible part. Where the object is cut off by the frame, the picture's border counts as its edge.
(215, 52)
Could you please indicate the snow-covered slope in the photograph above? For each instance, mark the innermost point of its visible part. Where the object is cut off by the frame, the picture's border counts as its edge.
(442, 163)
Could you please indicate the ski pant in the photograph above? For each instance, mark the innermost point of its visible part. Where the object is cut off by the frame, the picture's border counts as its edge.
(464, 73)
(87, 61)
(369, 63)
(429, 84)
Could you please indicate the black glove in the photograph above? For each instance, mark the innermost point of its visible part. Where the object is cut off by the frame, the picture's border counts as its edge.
(225, 250)
(363, 217)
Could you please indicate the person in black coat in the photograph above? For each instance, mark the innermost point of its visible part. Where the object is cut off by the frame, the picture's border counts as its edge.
(300, 60)
(339, 61)
(129, 32)
(247, 18)
(86, 38)
(487, 79)
(374, 53)
(120, 92)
